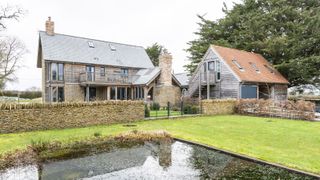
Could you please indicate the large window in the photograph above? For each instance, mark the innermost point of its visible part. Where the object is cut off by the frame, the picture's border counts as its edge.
(57, 94)
(57, 72)
(139, 93)
(113, 93)
(121, 93)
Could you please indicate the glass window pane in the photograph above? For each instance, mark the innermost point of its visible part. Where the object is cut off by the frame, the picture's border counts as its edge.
(61, 72)
(113, 93)
(60, 94)
(54, 71)
(102, 71)
(211, 66)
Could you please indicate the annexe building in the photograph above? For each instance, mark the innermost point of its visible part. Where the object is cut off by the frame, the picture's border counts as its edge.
(84, 69)
(231, 73)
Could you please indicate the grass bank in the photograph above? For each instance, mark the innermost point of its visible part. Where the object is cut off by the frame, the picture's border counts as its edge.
(291, 143)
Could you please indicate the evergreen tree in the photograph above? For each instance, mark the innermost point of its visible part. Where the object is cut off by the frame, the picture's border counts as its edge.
(285, 32)
(154, 52)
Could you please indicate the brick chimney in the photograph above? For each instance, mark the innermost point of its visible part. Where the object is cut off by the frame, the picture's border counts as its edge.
(50, 27)
(165, 65)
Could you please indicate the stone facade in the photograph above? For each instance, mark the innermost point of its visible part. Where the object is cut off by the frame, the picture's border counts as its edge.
(165, 94)
(50, 27)
(73, 93)
(165, 64)
(31, 117)
(218, 106)
(165, 91)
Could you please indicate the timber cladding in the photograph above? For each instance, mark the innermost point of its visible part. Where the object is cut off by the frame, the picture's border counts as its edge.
(31, 117)
(218, 106)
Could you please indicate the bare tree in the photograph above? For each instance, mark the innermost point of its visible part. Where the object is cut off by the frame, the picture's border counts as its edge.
(9, 13)
(11, 49)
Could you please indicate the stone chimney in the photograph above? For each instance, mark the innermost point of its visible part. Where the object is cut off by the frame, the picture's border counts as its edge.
(50, 27)
(165, 65)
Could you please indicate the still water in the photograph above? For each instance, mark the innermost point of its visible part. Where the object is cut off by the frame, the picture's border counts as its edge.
(175, 160)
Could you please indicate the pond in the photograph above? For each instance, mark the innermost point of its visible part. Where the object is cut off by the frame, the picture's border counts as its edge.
(177, 160)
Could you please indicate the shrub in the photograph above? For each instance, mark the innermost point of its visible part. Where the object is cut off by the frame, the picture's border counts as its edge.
(146, 111)
(155, 106)
(190, 109)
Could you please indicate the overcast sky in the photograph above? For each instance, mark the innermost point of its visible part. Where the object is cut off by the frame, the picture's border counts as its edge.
(140, 22)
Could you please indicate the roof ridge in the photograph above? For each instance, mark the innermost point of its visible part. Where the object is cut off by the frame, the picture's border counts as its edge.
(237, 49)
(95, 39)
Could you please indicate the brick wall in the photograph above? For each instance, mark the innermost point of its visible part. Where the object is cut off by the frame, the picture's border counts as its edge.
(218, 106)
(30, 117)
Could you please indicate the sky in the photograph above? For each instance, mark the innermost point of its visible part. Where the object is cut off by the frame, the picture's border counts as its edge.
(171, 23)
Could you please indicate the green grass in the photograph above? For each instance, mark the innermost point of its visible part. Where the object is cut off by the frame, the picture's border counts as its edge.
(292, 143)
(162, 113)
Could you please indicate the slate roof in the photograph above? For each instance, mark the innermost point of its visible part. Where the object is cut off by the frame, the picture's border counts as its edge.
(183, 78)
(246, 59)
(66, 48)
(146, 75)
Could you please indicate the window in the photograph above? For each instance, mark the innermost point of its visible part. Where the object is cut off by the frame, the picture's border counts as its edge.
(218, 70)
(102, 71)
(60, 72)
(57, 72)
(121, 93)
(254, 66)
(237, 64)
(113, 93)
(54, 71)
(139, 93)
(90, 44)
(211, 65)
(124, 71)
(90, 73)
(269, 68)
(57, 94)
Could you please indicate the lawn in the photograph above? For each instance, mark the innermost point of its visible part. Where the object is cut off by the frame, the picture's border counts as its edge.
(162, 113)
(292, 143)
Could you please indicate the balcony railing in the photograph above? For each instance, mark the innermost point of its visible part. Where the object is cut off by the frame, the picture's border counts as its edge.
(91, 77)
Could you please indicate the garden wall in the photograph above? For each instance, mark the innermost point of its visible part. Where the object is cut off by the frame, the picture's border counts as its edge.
(30, 117)
(218, 106)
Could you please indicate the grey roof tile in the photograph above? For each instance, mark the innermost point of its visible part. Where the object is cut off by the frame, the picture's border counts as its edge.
(68, 48)
(183, 78)
(146, 75)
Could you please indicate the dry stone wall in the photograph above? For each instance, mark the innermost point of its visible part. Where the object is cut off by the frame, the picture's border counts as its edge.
(218, 106)
(30, 117)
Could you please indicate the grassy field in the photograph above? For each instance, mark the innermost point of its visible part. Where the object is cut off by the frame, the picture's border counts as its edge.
(292, 143)
(161, 113)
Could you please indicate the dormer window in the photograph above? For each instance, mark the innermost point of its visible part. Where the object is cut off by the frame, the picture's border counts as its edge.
(112, 47)
(237, 64)
(90, 44)
(271, 70)
(254, 66)
(211, 66)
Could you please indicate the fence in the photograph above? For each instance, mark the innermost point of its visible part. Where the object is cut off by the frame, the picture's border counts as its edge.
(183, 108)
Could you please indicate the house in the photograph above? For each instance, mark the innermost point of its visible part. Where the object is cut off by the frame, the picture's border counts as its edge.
(231, 73)
(84, 69)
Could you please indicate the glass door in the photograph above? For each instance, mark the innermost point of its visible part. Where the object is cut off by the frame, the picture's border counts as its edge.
(90, 73)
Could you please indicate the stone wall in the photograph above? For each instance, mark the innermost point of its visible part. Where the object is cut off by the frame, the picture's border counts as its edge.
(218, 106)
(30, 117)
(165, 94)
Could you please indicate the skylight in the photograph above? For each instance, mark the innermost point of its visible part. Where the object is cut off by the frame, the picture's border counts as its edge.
(112, 47)
(237, 64)
(90, 43)
(254, 67)
(269, 68)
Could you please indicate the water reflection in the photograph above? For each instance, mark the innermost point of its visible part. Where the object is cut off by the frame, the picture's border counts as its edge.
(153, 161)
